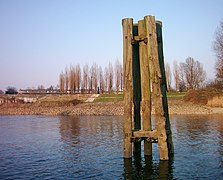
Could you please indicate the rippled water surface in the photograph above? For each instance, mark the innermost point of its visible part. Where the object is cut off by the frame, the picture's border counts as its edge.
(90, 147)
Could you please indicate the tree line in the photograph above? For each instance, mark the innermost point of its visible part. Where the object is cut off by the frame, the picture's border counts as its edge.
(74, 79)
(91, 79)
(218, 49)
(191, 75)
(186, 75)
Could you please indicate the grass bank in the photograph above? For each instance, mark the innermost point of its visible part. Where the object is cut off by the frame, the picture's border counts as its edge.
(113, 97)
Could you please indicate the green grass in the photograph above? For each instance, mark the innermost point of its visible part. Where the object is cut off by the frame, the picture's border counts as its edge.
(175, 94)
(109, 98)
(119, 97)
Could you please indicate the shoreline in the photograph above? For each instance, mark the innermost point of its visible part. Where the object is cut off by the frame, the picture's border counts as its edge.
(176, 107)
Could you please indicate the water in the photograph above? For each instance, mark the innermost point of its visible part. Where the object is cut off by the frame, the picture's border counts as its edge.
(90, 147)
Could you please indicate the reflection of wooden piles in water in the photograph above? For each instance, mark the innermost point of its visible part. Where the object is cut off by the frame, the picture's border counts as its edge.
(148, 169)
(144, 71)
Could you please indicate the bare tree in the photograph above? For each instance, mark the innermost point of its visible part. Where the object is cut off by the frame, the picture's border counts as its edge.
(182, 83)
(78, 77)
(90, 82)
(176, 75)
(106, 75)
(218, 48)
(193, 72)
(94, 77)
(168, 76)
(101, 80)
(85, 79)
(62, 82)
(72, 78)
(40, 87)
(66, 79)
(110, 77)
(118, 71)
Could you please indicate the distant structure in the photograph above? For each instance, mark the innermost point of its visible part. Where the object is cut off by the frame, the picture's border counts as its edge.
(144, 87)
(39, 91)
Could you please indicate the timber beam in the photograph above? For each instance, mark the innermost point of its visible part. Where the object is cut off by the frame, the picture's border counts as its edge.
(137, 39)
(149, 136)
(146, 134)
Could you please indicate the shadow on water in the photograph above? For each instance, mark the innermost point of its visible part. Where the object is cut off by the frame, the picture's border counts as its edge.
(147, 168)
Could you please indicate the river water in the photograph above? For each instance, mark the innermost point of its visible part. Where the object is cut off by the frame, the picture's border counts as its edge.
(90, 147)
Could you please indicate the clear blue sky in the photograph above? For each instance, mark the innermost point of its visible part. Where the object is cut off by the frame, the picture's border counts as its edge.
(38, 38)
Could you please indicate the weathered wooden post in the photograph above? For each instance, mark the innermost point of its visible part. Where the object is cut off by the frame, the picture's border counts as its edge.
(163, 86)
(144, 72)
(156, 77)
(145, 85)
(128, 85)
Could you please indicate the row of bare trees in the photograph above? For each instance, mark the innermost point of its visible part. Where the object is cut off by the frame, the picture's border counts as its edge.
(191, 75)
(95, 79)
(74, 79)
(186, 75)
(218, 49)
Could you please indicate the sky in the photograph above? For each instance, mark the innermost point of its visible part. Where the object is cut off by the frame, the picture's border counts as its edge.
(39, 38)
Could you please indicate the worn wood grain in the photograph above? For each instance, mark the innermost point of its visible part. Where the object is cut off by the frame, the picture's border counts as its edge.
(127, 25)
(145, 86)
(152, 50)
(146, 134)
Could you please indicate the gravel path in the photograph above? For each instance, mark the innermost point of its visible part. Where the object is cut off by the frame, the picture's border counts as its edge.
(92, 98)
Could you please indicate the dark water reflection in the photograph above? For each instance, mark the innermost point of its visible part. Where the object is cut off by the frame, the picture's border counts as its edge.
(90, 147)
(147, 169)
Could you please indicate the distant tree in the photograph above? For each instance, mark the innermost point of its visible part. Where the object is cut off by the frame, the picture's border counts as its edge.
(101, 80)
(106, 78)
(218, 49)
(176, 75)
(50, 88)
(118, 72)
(110, 77)
(182, 86)
(72, 79)
(78, 77)
(1, 92)
(85, 79)
(62, 82)
(193, 73)
(11, 90)
(168, 76)
(94, 77)
(90, 82)
(40, 87)
(66, 79)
